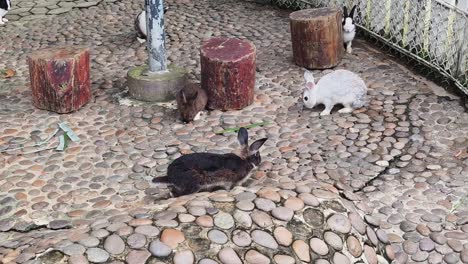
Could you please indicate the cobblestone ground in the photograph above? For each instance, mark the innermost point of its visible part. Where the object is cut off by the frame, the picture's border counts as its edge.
(36, 9)
(384, 183)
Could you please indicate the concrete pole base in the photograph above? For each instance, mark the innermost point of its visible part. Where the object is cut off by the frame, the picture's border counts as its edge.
(155, 87)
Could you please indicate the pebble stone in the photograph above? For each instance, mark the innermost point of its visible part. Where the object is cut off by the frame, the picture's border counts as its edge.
(172, 237)
(333, 240)
(283, 236)
(370, 255)
(223, 220)
(159, 249)
(205, 221)
(318, 246)
(77, 259)
(184, 257)
(282, 213)
(261, 219)
(241, 238)
(136, 241)
(253, 256)
(242, 218)
(89, 241)
(137, 256)
(228, 256)
(284, 259)
(309, 199)
(340, 258)
(264, 204)
(340, 223)
(217, 236)
(74, 249)
(354, 246)
(97, 255)
(294, 203)
(245, 205)
(114, 245)
(426, 244)
(264, 239)
(302, 250)
(322, 261)
(147, 230)
(207, 261)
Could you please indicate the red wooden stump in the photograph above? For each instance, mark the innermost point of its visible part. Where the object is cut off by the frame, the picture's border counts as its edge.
(316, 36)
(60, 78)
(228, 72)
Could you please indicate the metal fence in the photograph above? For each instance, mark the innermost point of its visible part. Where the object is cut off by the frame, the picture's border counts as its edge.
(432, 32)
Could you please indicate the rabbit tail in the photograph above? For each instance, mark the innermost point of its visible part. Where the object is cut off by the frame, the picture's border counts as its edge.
(361, 101)
(163, 179)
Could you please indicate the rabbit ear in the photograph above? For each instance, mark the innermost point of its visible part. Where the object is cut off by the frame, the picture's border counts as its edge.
(309, 78)
(195, 95)
(352, 11)
(243, 136)
(345, 11)
(257, 145)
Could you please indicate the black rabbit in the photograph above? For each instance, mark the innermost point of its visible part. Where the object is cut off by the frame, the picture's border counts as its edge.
(209, 171)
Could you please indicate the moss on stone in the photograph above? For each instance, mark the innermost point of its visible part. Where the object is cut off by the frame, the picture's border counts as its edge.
(172, 73)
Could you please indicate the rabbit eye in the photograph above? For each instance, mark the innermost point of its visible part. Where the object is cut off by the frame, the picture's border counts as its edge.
(306, 98)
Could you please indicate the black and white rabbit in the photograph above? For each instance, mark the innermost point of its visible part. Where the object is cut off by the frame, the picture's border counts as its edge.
(197, 172)
(191, 101)
(349, 29)
(5, 6)
(140, 25)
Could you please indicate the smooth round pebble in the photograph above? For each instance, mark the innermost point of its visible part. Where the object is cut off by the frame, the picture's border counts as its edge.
(97, 255)
(184, 257)
(318, 246)
(217, 236)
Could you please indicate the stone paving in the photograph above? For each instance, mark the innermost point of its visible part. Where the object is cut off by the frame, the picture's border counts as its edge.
(35, 9)
(383, 183)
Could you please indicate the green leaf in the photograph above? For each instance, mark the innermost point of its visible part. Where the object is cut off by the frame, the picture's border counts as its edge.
(247, 127)
(67, 139)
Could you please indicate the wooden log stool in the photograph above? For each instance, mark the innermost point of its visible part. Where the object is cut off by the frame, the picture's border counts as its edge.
(228, 72)
(317, 38)
(60, 78)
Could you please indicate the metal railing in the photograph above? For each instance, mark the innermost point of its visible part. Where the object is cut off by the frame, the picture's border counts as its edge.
(432, 32)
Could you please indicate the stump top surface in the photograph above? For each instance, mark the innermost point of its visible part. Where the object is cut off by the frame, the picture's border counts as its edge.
(227, 49)
(58, 53)
(310, 14)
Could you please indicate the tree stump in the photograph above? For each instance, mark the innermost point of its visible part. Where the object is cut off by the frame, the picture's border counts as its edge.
(60, 78)
(228, 72)
(317, 38)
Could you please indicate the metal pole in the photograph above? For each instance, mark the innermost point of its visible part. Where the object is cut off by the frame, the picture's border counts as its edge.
(156, 39)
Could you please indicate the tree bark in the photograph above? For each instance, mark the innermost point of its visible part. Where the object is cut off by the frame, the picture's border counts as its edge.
(228, 72)
(60, 78)
(317, 38)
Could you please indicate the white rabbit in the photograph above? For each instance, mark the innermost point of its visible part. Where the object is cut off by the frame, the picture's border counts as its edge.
(349, 29)
(140, 25)
(338, 87)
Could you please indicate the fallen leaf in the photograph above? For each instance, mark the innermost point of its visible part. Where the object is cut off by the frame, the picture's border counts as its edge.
(461, 154)
(8, 73)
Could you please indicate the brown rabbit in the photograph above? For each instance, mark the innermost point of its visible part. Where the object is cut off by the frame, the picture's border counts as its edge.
(191, 101)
